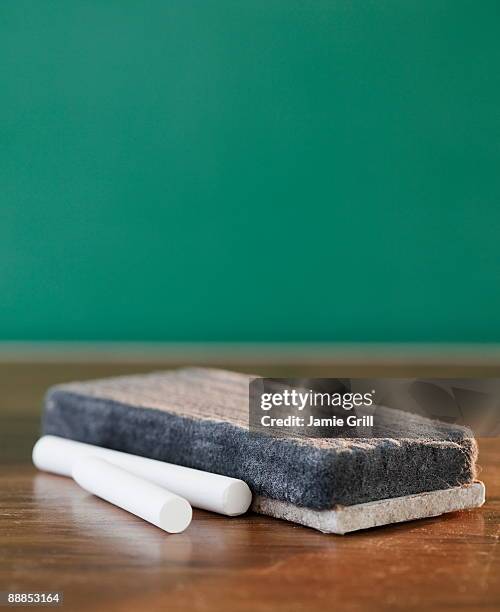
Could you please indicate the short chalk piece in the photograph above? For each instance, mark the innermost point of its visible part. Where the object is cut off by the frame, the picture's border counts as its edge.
(136, 495)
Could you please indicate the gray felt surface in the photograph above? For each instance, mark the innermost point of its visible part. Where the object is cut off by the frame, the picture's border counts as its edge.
(198, 418)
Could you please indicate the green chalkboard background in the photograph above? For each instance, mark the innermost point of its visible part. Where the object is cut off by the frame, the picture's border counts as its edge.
(250, 170)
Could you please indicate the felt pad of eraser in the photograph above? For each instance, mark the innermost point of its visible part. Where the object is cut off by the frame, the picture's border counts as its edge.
(198, 417)
(345, 519)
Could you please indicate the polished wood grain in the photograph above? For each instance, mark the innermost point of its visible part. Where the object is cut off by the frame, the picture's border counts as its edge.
(55, 536)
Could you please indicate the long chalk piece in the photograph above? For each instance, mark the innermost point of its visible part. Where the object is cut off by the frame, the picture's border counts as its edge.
(140, 497)
(205, 490)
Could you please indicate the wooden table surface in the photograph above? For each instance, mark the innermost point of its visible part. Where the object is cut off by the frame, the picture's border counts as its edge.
(56, 537)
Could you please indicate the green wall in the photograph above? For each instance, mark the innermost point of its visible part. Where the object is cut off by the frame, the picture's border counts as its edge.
(257, 170)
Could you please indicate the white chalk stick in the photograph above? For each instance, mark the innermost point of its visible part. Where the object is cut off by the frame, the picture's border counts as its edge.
(136, 495)
(205, 490)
